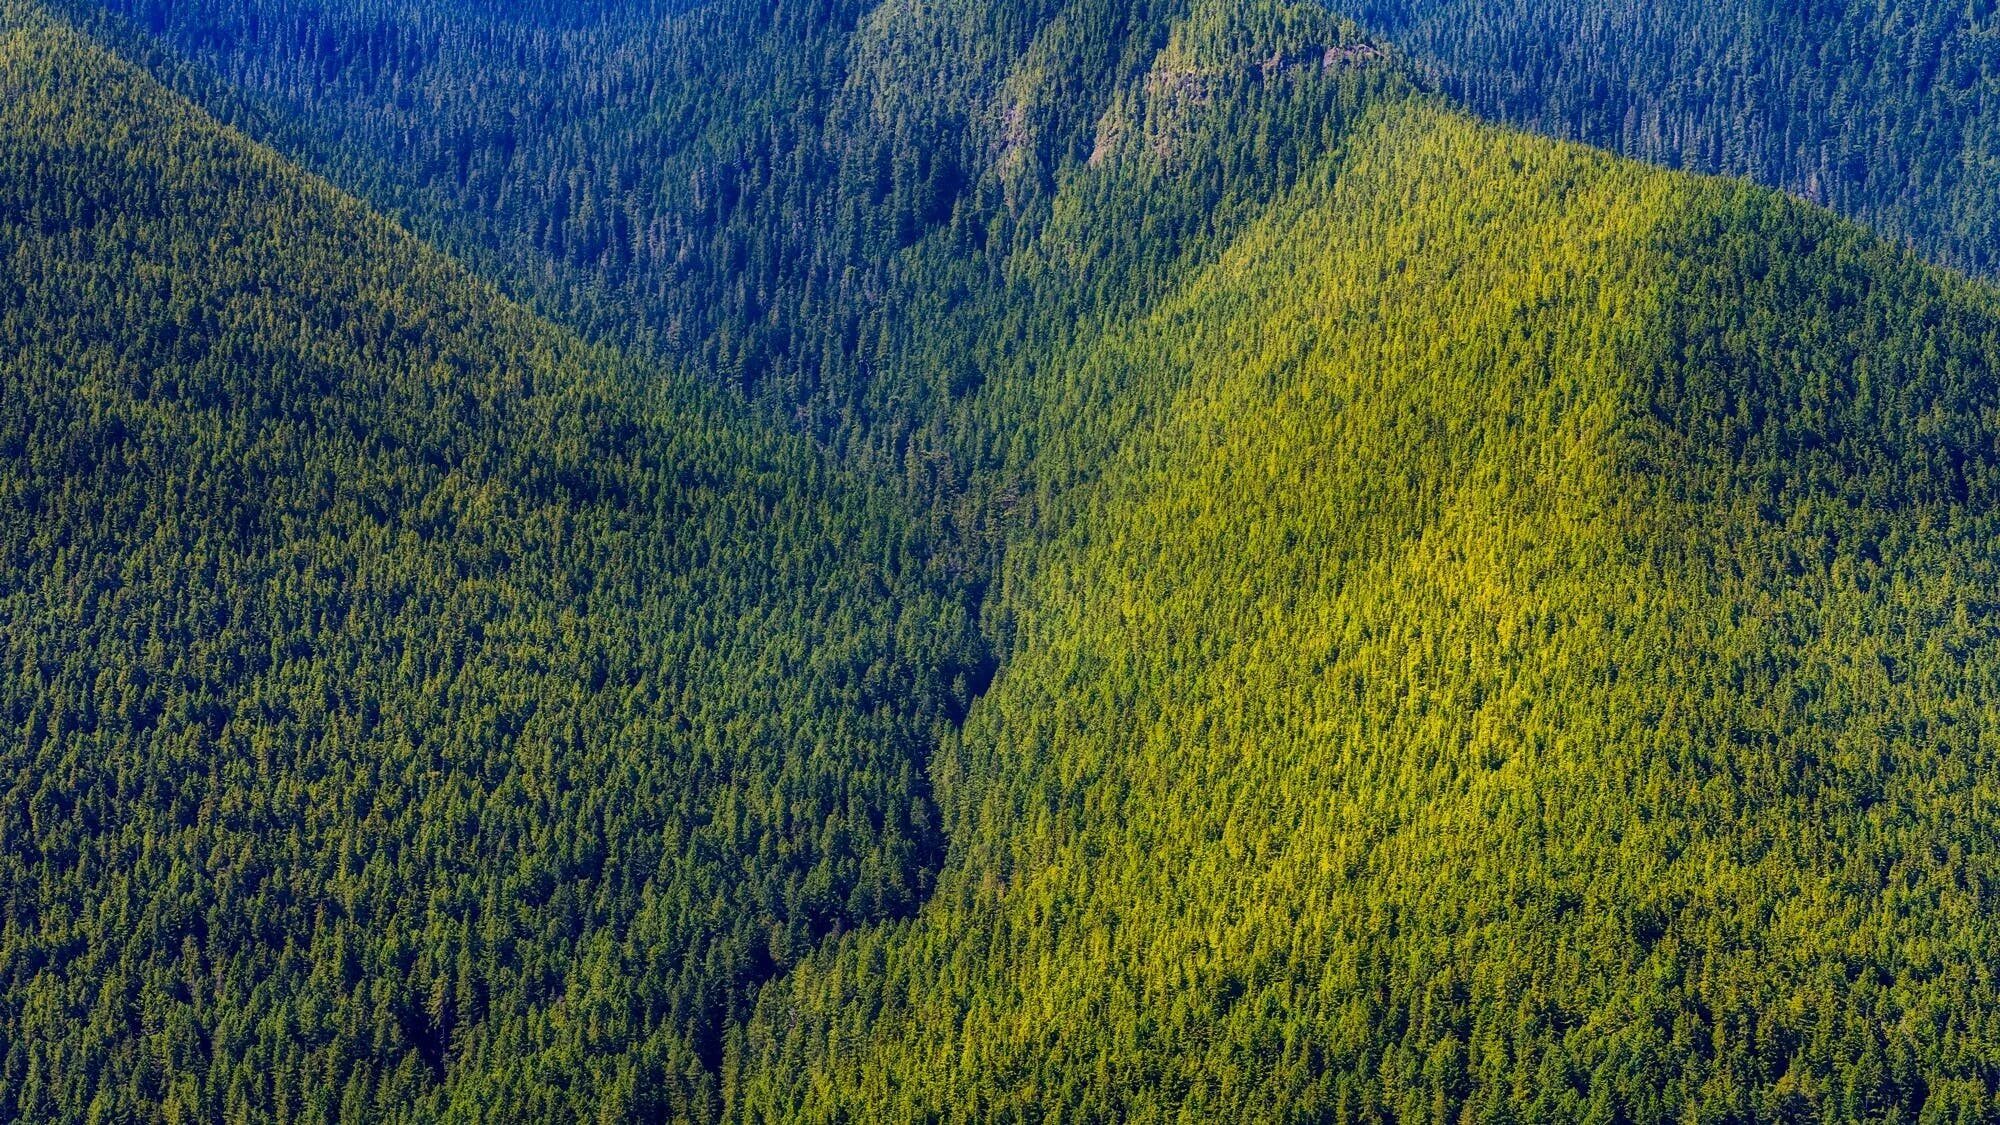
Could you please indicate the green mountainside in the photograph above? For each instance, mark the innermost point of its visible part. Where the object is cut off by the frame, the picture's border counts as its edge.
(739, 185)
(768, 194)
(729, 182)
(1485, 630)
(1539, 666)
(409, 711)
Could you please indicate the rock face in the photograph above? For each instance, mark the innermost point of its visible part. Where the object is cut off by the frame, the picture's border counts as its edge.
(1354, 54)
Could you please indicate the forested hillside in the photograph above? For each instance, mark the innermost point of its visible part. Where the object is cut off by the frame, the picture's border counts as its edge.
(729, 181)
(1484, 629)
(406, 711)
(1885, 110)
(1539, 665)
(737, 184)
(851, 212)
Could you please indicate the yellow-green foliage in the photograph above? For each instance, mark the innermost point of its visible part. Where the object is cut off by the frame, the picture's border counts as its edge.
(1438, 708)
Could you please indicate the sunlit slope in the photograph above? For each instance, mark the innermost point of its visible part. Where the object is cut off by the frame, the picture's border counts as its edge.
(406, 712)
(1540, 667)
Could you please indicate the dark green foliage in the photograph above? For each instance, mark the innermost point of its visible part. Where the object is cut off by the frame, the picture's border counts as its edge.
(406, 712)
(1885, 110)
(853, 213)
(729, 182)
(1491, 631)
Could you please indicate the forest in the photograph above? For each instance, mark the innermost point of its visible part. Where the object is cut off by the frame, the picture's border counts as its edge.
(1009, 561)
(412, 710)
(1883, 110)
(1535, 666)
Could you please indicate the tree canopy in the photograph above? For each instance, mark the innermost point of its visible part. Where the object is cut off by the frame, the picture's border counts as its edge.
(1086, 560)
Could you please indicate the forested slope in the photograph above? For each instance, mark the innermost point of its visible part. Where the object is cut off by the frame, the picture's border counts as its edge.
(406, 711)
(852, 212)
(739, 184)
(1489, 629)
(731, 182)
(1885, 110)
(1538, 665)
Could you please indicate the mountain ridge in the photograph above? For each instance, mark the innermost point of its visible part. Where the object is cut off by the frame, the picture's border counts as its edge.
(1485, 630)
(413, 710)
(1340, 701)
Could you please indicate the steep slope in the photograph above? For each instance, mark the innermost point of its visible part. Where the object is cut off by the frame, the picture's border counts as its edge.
(853, 212)
(1885, 110)
(1491, 630)
(1538, 665)
(746, 188)
(409, 713)
(718, 179)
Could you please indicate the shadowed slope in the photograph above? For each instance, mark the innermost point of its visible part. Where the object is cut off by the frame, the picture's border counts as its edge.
(411, 713)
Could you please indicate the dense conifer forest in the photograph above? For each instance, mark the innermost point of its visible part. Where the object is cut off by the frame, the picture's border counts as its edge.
(1534, 666)
(1013, 561)
(762, 192)
(1886, 110)
(410, 710)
